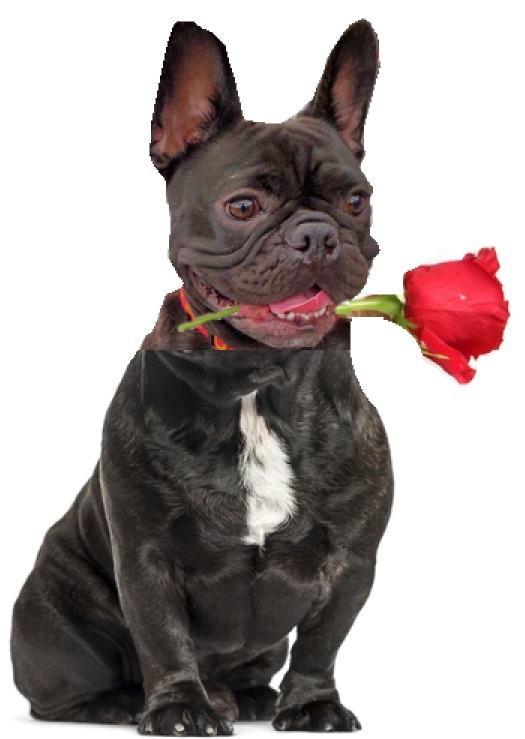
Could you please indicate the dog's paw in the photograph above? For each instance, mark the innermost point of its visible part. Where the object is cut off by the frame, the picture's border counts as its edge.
(256, 703)
(318, 716)
(183, 719)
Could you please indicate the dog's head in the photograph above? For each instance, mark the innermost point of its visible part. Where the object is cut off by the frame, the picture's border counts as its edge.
(275, 218)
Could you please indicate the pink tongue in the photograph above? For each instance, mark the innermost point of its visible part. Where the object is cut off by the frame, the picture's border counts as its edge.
(308, 302)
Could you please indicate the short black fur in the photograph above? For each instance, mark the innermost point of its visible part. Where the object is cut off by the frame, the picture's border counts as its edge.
(146, 603)
(146, 583)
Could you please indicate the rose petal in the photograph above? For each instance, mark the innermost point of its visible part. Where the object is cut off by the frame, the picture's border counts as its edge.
(461, 302)
(486, 258)
(456, 364)
(457, 285)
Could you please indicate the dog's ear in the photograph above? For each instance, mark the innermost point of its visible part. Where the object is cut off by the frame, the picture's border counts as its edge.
(345, 90)
(197, 95)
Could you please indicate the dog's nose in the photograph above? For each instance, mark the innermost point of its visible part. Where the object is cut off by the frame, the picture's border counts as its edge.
(314, 239)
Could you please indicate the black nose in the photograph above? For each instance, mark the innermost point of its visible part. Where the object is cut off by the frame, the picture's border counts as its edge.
(314, 239)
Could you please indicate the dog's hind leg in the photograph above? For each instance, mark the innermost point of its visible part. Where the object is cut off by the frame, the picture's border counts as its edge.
(67, 668)
(120, 706)
(250, 682)
(257, 703)
(73, 657)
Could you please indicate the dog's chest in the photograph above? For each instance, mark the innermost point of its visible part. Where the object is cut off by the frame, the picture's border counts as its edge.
(266, 474)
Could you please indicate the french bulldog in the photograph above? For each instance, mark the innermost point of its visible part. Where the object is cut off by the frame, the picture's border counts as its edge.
(239, 494)
(273, 218)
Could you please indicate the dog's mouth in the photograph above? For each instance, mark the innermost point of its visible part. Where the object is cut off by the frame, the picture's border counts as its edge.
(307, 315)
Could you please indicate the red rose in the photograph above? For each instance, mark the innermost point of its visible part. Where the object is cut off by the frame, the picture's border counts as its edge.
(457, 310)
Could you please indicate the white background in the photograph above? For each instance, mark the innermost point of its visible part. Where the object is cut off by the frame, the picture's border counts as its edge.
(438, 649)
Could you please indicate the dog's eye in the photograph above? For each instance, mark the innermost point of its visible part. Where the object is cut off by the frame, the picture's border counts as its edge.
(242, 209)
(356, 203)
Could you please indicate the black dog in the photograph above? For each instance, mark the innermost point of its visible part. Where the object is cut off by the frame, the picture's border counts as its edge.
(275, 218)
(239, 494)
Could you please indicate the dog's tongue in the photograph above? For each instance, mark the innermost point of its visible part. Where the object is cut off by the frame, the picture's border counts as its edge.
(309, 301)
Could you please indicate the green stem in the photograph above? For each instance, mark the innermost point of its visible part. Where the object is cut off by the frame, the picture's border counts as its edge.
(389, 305)
(208, 317)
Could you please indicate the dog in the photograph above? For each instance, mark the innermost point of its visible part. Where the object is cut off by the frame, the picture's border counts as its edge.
(274, 218)
(239, 494)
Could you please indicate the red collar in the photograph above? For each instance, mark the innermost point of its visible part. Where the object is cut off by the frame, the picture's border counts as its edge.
(216, 342)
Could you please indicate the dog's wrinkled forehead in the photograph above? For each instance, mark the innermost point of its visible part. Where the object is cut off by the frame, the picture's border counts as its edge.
(301, 158)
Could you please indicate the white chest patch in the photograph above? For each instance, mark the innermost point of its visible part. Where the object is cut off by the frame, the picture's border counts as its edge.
(266, 475)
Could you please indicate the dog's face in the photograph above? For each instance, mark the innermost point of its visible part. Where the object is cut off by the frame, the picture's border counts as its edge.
(275, 218)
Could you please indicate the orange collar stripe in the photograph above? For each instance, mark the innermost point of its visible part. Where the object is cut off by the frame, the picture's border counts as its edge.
(217, 343)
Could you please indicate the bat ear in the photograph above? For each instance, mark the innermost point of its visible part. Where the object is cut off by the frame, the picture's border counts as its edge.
(197, 96)
(345, 90)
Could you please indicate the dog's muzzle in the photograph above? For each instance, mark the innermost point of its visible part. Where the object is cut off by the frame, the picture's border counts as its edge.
(315, 236)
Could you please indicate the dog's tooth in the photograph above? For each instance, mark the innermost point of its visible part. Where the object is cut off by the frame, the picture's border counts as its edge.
(290, 316)
(281, 315)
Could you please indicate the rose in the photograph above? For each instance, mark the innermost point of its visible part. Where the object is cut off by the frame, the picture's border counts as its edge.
(456, 310)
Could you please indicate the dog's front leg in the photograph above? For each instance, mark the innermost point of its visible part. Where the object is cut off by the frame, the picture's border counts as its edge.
(309, 700)
(151, 588)
(151, 591)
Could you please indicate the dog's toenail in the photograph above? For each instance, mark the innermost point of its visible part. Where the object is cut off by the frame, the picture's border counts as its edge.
(147, 728)
(328, 727)
(210, 731)
(179, 728)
